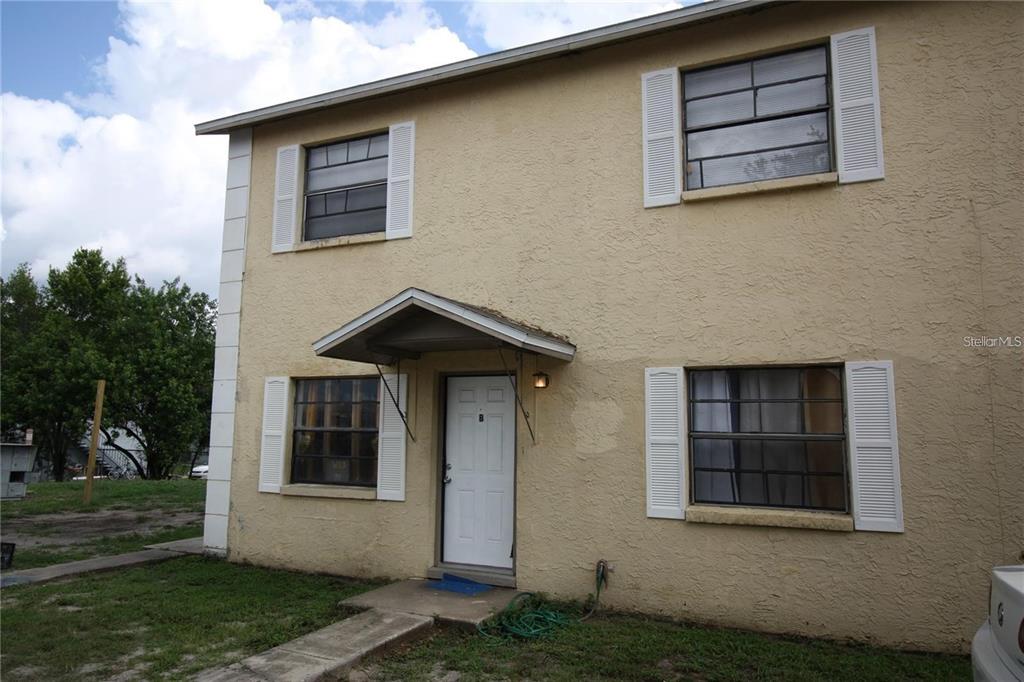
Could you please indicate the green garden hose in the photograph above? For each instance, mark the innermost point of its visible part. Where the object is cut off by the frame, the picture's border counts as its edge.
(526, 617)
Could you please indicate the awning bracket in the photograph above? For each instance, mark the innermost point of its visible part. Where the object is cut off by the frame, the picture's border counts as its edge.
(394, 399)
(519, 401)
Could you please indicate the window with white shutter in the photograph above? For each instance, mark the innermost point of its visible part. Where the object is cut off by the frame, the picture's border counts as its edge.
(874, 448)
(391, 439)
(665, 429)
(275, 411)
(285, 191)
(661, 133)
(857, 112)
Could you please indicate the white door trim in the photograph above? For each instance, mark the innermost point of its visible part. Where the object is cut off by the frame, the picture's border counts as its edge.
(477, 551)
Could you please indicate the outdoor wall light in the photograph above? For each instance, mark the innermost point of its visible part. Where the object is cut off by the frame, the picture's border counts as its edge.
(540, 380)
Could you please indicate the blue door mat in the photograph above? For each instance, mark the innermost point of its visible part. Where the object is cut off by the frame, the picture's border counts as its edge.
(454, 583)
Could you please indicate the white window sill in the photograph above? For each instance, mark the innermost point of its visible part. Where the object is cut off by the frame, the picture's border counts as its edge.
(339, 241)
(815, 180)
(341, 492)
(780, 518)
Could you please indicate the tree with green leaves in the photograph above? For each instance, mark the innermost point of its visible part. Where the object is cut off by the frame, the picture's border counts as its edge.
(92, 320)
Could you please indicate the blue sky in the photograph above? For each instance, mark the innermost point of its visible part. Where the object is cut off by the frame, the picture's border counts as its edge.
(99, 100)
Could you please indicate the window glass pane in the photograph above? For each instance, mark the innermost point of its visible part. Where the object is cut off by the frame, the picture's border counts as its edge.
(750, 489)
(823, 417)
(785, 490)
(315, 205)
(715, 417)
(357, 149)
(822, 382)
(379, 145)
(336, 202)
(365, 471)
(359, 173)
(364, 444)
(367, 197)
(721, 79)
(366, 415)
(337, 153)
(783, 455)
(706, 384)
(715, 453)
(749, 418)
(338, 415)
(309, 390)
(826, 492)
(368, 389)
(754, 136)
(782, 163)
(781, 417)
(750, 454)
(714, 486)
(825, 456)
(732, 107)
(316, 157)
(345, 224)
(790, 66)
(307, 469)
(337, 470)
(777, 99)
(693, 175)
(777, 384)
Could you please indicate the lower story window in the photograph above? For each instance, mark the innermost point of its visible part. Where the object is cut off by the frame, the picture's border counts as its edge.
(335, 431)
(768, 437)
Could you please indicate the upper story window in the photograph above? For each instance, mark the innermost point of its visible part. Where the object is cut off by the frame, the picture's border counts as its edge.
(336, 430)
(757, 120)
(346, 188)
(768, 437)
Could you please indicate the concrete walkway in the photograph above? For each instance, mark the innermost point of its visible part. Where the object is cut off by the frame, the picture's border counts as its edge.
(396, 613)
(326, 653)
(161, 552)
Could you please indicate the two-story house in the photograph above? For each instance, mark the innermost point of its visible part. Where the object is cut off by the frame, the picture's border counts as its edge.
(726, 297)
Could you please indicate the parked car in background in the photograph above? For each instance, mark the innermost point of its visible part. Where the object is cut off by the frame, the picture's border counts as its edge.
(997, 652)
(200, 471)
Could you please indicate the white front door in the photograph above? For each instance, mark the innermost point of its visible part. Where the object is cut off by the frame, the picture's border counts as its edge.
(479, 488)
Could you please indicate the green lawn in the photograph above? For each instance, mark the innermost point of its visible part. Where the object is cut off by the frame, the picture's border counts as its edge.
(51, 498)
(630, 647)
(165, 620)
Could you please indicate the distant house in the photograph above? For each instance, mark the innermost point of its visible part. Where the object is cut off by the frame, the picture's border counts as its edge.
(696, 294)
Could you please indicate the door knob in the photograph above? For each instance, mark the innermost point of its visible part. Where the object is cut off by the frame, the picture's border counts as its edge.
(447, 479)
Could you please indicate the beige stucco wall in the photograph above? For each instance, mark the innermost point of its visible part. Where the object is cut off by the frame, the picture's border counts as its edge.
(528, 200)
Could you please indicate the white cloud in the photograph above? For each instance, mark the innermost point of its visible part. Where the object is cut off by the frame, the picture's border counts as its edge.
(510, 24)
(121, 168)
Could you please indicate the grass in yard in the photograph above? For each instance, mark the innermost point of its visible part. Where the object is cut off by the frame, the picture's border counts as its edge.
(47, 555)
(165, 620)
(50, 498)
(630, 647)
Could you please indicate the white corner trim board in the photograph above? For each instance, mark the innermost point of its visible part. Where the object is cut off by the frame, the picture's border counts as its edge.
(225, 366)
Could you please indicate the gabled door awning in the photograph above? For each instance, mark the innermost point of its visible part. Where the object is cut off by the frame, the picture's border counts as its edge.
(417, 321)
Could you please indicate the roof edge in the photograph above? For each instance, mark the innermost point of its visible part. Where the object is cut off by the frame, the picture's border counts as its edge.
(598, 37)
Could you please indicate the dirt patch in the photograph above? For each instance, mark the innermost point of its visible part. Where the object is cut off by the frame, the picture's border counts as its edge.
(67, 530)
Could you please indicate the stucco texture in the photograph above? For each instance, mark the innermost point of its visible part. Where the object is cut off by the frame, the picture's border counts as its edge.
(528, 200)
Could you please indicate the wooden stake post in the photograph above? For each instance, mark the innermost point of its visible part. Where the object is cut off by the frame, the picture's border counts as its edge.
(90, 468)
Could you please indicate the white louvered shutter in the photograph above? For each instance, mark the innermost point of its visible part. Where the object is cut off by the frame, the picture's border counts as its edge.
(275, 410)
(661, 137)
(855, 98)
(401, 152)
(286, 187)
(665, 431)
(391, 438)
(874, 450)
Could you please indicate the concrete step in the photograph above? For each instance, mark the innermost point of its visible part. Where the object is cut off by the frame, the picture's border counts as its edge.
(327, 653)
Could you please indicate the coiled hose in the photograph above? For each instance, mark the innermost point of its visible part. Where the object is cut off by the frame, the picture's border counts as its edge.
(526, 616)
